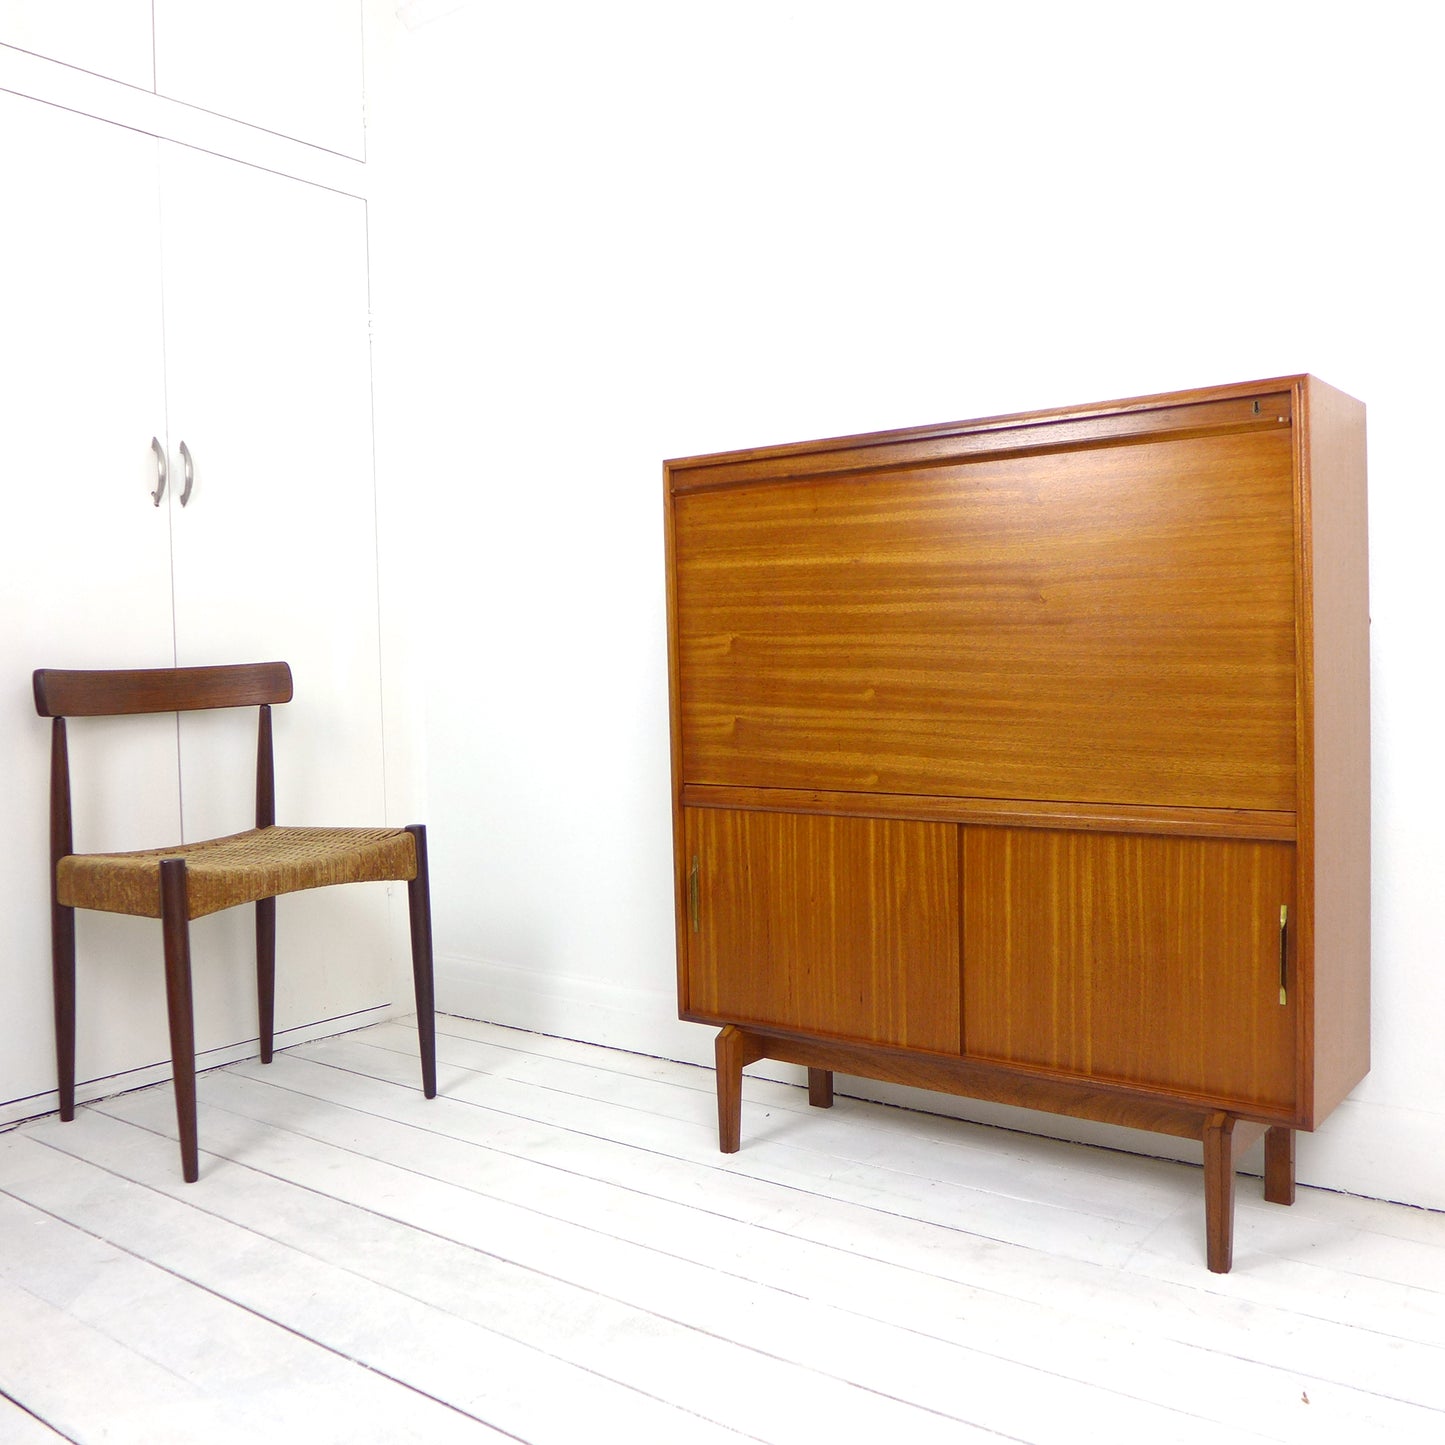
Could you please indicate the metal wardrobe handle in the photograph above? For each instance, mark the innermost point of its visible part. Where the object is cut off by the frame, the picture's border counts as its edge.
(190, 471)
(160, 452)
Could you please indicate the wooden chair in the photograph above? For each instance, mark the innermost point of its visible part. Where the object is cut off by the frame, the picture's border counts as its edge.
(193, 879)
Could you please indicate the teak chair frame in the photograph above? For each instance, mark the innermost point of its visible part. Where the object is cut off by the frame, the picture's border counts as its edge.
(113, 693)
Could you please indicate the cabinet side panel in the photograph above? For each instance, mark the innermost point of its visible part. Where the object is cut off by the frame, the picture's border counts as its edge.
(1108, 626)
(1335, 748)
(680, 843)
(846, 927)
(1140, 960)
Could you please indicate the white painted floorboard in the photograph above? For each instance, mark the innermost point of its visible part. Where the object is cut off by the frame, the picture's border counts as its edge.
(554, 1251)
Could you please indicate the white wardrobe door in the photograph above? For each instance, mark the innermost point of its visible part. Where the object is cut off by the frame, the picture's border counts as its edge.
(293, 67)
(84, 561)
(268, 368)
(289, 66)
(106, 37)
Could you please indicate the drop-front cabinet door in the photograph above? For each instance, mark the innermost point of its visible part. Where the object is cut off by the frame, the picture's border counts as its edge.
(845, 927)
(1112, 625)
(1146, 960)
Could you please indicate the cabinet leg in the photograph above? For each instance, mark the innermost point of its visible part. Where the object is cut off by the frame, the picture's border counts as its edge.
(1225, 1140)
(820, 1088)
(1279, 1165)
(1219, 1191)
(735, 1051)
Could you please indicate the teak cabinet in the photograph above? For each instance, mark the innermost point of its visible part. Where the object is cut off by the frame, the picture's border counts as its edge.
(1028, 759)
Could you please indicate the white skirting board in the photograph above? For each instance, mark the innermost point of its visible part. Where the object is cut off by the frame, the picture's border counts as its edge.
(1366, 1148)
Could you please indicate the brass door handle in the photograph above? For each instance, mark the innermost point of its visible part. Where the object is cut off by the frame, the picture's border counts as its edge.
(1283, 951)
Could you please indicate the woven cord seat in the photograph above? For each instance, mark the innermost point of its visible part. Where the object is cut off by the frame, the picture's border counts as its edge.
(191, 880)
(242, 868)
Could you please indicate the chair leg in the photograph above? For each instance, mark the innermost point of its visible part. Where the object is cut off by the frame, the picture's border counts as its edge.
(62, 960)
(418, 893)
(266, 974)
(176, 930)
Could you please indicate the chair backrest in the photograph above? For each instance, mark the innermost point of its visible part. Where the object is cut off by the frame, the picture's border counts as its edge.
(62, 693)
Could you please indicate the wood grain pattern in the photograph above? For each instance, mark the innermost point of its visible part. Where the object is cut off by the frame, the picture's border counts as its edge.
(61, 692)
(1258, 406)
(843, 926)
(1142, 960)
(1007, 812)
(1108, 626)
(1020, 1086)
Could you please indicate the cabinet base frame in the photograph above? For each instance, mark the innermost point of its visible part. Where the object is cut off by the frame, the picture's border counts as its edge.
(1226, 1136)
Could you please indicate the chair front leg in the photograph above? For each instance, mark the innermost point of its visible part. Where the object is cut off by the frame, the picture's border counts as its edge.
(418, 895)
(176, 932)
(266, 974)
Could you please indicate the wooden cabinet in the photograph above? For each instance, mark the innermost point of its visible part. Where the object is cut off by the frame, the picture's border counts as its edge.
(162, 291)
(1027, 758)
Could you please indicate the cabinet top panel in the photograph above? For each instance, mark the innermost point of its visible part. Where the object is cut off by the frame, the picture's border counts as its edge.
(1244, 406)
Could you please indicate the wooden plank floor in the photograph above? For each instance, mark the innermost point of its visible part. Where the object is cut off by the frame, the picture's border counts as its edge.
(554, 1251)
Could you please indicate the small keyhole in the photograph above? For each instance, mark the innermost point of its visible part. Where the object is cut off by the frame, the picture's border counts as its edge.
(1256, 408)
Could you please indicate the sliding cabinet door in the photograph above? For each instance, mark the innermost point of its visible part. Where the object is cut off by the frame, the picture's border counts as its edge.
(846, 927)
(1144, 960)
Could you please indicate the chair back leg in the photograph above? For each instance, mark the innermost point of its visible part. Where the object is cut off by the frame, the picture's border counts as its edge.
(62, 920)
(266, 974)
(176, 933)
(418, 893)
(62, 961)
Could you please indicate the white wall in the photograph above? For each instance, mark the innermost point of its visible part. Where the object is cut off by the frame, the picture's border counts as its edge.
(633, 231)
